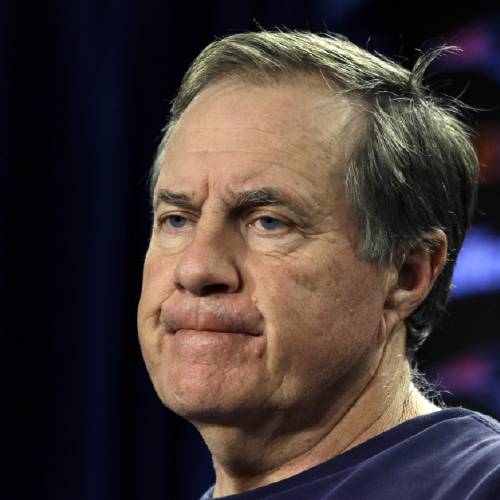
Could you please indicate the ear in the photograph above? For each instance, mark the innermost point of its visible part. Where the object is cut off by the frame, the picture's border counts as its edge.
(415, 278)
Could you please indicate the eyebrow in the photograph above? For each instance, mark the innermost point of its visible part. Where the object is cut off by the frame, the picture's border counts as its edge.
(240, 200)
(172, 198)
(267, 196)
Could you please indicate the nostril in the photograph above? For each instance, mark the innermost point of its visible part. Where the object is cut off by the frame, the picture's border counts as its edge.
(214, 289)
(207, 267)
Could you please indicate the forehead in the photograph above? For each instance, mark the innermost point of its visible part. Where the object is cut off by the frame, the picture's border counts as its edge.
(239, 133)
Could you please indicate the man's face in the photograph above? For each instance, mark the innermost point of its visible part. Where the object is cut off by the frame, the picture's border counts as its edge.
(254, 300)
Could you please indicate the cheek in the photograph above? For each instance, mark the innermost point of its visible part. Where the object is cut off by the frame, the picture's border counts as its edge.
(326, 310)
(157, 282)
(157, 285)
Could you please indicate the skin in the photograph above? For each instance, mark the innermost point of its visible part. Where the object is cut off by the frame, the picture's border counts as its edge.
(258, 320)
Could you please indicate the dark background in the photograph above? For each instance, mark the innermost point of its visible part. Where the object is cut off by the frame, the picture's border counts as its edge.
(84, 93)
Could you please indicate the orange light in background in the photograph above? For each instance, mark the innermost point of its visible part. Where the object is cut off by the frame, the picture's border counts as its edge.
(487, 144)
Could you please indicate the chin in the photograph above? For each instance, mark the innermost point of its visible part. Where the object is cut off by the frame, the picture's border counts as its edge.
(205, 396)
(204, 411)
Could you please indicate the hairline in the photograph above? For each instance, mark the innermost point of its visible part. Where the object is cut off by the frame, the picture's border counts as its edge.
(262, 79)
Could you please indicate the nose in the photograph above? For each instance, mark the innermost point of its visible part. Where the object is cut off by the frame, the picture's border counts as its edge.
(208, 265)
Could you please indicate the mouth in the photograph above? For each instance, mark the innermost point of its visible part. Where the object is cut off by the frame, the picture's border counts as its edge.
(209, 331)
(211, 320)
(215, 348)
(218, 330)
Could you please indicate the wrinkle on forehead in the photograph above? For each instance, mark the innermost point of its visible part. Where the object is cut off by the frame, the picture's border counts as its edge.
(303, 108)
(295, 128)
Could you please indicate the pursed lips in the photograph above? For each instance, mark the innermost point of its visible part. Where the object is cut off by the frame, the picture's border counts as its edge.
(201, 318)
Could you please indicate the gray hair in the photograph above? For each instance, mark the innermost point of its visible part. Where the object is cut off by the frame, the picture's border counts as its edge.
(414, 170)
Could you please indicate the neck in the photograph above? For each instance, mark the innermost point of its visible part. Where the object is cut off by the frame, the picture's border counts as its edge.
(245, 461)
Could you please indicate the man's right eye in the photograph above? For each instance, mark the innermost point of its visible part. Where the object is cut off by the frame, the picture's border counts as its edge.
(173, 221)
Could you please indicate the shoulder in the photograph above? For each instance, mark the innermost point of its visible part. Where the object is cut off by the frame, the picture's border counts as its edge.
(460, 450)
(449, 454)
(452, 453)
(461, 429)
(453, 434)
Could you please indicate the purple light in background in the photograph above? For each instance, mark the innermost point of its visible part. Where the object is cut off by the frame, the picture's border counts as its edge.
(473, 375)
(478, 266)
(466, 372)
(480, 42)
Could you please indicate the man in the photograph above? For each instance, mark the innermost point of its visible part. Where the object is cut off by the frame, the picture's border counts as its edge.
(309, 203)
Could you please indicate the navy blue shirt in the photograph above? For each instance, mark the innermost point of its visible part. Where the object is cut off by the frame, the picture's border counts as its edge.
(451, 454)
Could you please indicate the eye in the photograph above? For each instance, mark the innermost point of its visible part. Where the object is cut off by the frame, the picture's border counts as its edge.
(268, 223)
(174, 221)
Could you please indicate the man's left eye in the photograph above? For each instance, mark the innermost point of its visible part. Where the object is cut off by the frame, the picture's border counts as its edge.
(269, 223)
